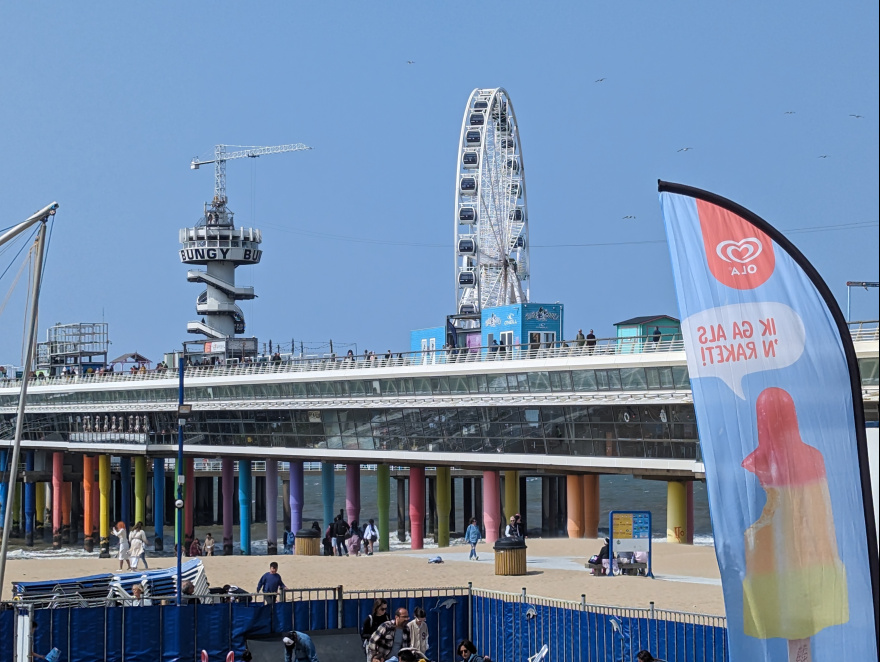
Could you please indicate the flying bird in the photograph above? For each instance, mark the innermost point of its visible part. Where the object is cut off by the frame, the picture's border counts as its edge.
(823, 156)
(858, 117)
(626, 217)
(685, 149)
(598, 80)
(410, 61)
(789, 112)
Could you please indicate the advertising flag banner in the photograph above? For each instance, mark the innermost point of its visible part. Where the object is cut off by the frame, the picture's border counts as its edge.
(779, 410)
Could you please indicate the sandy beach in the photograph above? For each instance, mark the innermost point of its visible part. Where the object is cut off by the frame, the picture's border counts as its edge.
(687, 577)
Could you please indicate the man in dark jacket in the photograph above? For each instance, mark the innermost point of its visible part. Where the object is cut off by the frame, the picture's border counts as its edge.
(340, 532)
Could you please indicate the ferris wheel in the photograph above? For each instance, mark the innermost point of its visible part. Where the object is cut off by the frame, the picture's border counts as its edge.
(491, 215)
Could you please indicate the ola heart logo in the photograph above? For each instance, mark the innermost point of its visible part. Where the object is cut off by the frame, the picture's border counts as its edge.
(742, 252)
(739, 254)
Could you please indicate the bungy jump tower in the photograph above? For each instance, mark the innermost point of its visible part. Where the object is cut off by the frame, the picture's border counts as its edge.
(215, 242)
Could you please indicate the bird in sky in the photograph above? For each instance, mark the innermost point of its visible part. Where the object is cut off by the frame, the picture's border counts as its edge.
(685, 149)
(789, 112)
(823, 156)
(598, 80)
(626, 217)
(410, 61)
(858, 117)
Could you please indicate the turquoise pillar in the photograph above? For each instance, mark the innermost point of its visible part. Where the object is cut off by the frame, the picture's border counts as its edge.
(244, 505)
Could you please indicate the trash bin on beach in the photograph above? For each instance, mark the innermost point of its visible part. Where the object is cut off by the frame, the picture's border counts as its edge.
(308, 543)
(510, 556)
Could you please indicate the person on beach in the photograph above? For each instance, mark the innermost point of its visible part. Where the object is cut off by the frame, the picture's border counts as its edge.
(371, 537)
(137, 597)
(120, 532)
(269, 584)
(378, 615)
(289, 542)
(209, 544)
(328, 540)
(195, 549)
(645, 656)
(354, 543)
(298, 647)
(138, 533)
(389, 638)
(340, 532)
(472, 536)
(418, 631)
(468, 652)
(135, 552)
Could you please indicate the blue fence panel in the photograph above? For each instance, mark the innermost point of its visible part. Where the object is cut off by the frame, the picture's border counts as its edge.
(282, 617)
(213, 631)
(142, 629)
(7, 634)
(178, 629)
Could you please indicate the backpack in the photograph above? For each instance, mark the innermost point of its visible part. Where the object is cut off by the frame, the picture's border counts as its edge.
(340, 529)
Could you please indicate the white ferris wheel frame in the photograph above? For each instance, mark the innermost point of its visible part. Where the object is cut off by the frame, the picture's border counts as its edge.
(493, 225)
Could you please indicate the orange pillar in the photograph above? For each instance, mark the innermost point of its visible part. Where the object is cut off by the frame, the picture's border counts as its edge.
(591, 506)
(88, 486)
(575, 503)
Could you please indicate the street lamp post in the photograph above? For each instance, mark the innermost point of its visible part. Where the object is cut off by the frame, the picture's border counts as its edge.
(183, 413)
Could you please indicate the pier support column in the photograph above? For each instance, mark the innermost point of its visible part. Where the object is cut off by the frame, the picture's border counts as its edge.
(452, 511)
(546, 507)
(575, 506)
(431, 514)
(328, 492)
(511, 495)
(401, 508)
(491, 505)
(88, 486)
(353, 492)
(272, 506)
(676, 512)
(444, 489)
(524, 503)
(189, 504)
(125, 491)
(140, 489)
(467, 503)
(66, 489)
(417, 507)
(158, 503)
(228, 488)
(591, 506)
(244, 505)
(30, 505)
(96, 504)
(57, 492)
(478, 503)
(104, 490)
(40, 498)
(16, 512)
(689, 504)
(383, 499)
(296, 501)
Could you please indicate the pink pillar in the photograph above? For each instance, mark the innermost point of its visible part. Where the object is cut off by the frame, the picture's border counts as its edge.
(57, 496)
(689, 505)
(353, 492)
(96, 509)
(491, 505)
(417, 507)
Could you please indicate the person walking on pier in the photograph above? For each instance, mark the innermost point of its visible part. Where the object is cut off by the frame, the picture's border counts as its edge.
(269, 584)
(472, 536)
(591, 341)
(580, 339)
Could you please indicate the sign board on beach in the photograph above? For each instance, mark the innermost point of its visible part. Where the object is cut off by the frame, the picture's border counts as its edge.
(631, 531)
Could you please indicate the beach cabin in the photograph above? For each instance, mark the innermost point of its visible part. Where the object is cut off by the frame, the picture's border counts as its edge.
(538, 325)
(639, 334)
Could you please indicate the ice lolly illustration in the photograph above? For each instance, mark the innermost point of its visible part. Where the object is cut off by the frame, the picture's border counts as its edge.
(795, 583)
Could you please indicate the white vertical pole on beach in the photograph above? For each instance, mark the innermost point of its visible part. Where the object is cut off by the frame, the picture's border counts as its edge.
(19, 420)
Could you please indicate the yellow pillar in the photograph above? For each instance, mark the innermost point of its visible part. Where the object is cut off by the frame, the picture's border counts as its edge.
(443, 505)
(40, 506)
(104, 489)
(140, 488)
(676, 512)
(591, 506)
(511, 495)
(575, 505)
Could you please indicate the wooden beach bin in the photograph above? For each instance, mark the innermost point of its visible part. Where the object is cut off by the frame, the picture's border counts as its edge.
(308, 543)
(510, 557)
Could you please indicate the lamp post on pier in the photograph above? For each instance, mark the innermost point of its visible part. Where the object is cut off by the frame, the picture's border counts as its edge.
(183, 413)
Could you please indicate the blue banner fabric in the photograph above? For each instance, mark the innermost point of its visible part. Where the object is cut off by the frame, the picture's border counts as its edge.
(770, 361)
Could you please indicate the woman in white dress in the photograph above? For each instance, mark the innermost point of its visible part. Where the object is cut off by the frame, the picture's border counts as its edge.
(120, 532)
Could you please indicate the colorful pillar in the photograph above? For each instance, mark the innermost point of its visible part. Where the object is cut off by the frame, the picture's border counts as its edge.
(401, 508)
(444, 484)
(125, 490)
(491, 505)
(104, 489)
(328, 492)
(40, 509)
(189, 504)
(57, 496)
(591, 506)
(272, 506)
(511, 495)
(140, 489)
(417, 507)
(66, 490)
(296, 495)
(158, 503)
(96, 504)
(88, 486)
(676, 512)
(244, 505)
(29, 501)
(575, 506)
(383, 498)
(353, 491)
(228, 484)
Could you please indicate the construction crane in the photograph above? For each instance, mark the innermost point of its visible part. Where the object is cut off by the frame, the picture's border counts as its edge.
(221, 156)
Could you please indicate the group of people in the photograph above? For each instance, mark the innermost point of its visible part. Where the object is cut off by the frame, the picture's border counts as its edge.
(400, 638)
(197, 548)
(349, 539)
(132, 546)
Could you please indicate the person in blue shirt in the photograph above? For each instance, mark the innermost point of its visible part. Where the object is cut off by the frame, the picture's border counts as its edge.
(472, 536)
(269, 584)
(298, 647)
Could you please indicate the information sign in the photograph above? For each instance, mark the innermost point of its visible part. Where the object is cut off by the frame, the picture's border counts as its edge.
(630, 531)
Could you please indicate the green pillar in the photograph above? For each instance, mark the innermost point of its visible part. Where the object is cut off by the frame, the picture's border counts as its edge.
(383, 493)
(443, 505)
(140, 489)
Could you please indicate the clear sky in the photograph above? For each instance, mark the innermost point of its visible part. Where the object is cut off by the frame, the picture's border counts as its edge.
(103, 105)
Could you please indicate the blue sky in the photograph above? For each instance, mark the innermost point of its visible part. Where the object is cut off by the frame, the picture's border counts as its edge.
(104, 105)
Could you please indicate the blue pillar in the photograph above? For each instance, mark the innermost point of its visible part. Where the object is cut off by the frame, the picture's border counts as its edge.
(125, 490)
(158, 501)
(4, 465)
(30, 501)
(328, 491)
(244, 504)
